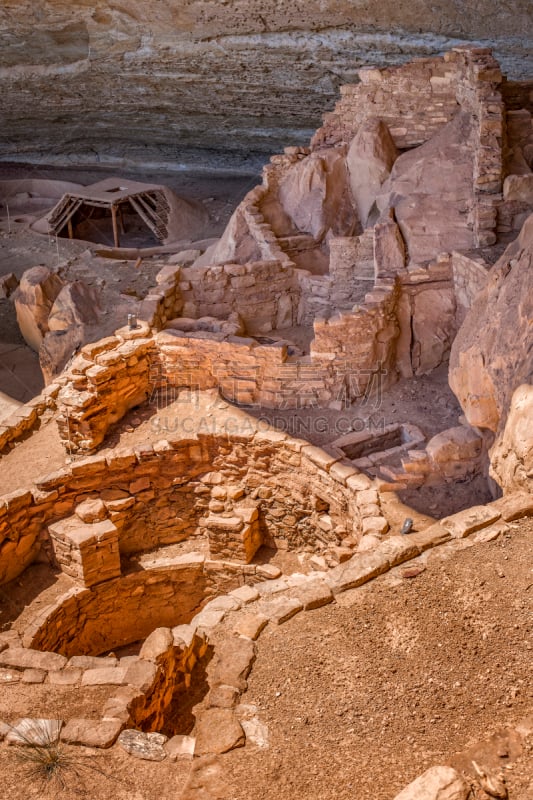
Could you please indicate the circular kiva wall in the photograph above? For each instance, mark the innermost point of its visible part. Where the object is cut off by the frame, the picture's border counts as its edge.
(118, 612)
(296, 494)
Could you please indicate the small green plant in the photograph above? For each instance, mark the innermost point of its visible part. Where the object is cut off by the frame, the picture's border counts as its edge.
(49, 763)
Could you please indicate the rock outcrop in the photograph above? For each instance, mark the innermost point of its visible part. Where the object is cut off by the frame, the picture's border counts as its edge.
(512, 454)
(437, 783)
(33, 300)
(431, 191)
(492, 354)
(229, 78)
(370, 159)
(315, 195)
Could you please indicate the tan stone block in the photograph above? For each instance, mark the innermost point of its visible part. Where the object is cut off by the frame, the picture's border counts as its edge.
(470, 520)
(374, 525)
(218, 731)
(223, 697)
(313, 594)
(514, 506)
(180, 747)
(360, 569)
(25, 658)
(249, 625)
(280, 610)
(245, 594)
(141, 674)
(91, 733)
(65, 677)
(33, 676)
(157, 645)
(107, 676)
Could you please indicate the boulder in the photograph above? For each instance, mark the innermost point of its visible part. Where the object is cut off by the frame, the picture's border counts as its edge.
(370, 159)
(492, 354)
(315, 193)
(389, 249)
(75, 308)
(236, 246)
(76, 304)
(437, 783)
(511, 456)
(519, 188)
(33, 301)
(454, 444)
(433, 327)
(430, 189)
(57, 349)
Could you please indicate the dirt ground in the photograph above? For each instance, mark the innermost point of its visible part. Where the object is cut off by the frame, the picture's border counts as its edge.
(94, 775)
(119, 283)
(361, 697)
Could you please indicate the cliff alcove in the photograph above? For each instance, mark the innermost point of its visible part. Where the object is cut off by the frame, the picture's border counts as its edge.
(265, 468)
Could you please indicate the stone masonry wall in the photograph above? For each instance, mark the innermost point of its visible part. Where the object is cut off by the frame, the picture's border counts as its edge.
(118, 612)
(417, 100)
(469, 278)
(118, 373)
(265, 294)
(293, 481)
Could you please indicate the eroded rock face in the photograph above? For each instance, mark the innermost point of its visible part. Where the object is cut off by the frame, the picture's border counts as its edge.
(315, 195)
(492, 354)
(370, 159)
(431, 192)
(33, 300)
(512, 454)
(232, 77)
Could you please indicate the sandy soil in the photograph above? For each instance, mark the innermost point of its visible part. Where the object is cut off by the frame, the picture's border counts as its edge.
(358, 697)
(103, 774)
(361, 697)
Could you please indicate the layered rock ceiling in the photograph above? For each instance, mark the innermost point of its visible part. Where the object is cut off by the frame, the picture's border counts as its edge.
(165, 82)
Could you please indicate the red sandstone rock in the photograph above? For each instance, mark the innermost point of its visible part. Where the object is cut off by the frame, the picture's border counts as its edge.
(471, 519)
(233, 662)
(24, 658)
(224, 697)
(33, 300)
(430, 188)
(157, 644)
(76, 304)
(492, 354)
(315, 195)
(92, 510)
(250, 625)
(370, 159)
(141, 674)
(512, 454)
